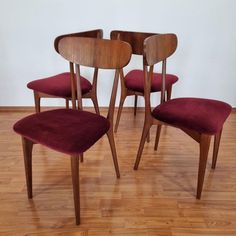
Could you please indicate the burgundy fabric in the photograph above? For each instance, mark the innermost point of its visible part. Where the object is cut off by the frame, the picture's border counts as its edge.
(64, 130)
(201, 115)
(134, 80)
(58, 85)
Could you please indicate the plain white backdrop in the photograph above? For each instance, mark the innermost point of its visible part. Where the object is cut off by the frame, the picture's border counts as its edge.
(205, 60)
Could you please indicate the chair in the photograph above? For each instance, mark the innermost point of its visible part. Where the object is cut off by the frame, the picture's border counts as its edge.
(59, 86)
(199, 118)
(132, 84)
(73, 131)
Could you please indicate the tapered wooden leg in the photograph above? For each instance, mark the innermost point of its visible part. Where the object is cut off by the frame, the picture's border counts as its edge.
(110, 136)
(158, 133)
(81, 157)
(135, 104)
(216, 149)
(37, 102)
(95, 103)
(75, 183)
(146, 129)
(168, 93)
(204, 148)
(122, 99)
(27, 151)
(148, 137)
(67, 103)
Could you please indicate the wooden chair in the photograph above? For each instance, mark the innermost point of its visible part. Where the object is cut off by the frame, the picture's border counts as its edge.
(199, 118)
(59, 86)
(73, 131)
(132, 84)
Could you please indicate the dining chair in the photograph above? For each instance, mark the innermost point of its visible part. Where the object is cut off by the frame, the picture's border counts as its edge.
(73, 131)
(199, 118)
(132, 84)
(59, 86)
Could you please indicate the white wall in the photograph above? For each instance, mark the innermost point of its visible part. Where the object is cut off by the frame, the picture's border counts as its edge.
(205, 59)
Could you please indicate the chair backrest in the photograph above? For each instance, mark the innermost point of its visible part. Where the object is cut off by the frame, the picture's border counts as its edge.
(135, 39)
(97, 33)
(156, 48)
(97, 53)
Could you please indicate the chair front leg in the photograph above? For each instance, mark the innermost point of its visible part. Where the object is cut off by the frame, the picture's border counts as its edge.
(204, 148)
(95, 102)
(75, 183)
(110, 136)
(27, 151)
(217, 139)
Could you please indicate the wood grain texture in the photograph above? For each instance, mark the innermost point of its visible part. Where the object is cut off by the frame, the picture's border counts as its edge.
(159, 199)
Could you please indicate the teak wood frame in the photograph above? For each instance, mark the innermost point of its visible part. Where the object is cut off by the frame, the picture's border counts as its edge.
(157, 49)
(135, 39)
(92, 94)
(88, 52)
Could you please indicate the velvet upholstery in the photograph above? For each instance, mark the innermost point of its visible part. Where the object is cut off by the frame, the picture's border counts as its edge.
(201, 115)
(58, 85)
(134, 80)
(64, 130)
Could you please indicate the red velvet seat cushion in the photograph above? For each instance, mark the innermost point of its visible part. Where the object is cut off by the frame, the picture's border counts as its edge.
(201, 115)
(134, 80)
(64, 130)
(58, 85)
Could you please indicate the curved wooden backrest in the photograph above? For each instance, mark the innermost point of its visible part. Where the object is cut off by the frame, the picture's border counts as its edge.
(135, 39)
(98, 53)
(97, 33)
(159, 47)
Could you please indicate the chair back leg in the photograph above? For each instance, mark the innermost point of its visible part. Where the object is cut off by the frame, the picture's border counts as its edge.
(216, 149)
(37, 101)
(110, 136)
(145, 133)
(135, 104)
(158, 133)
(204, 148)
(122, 99)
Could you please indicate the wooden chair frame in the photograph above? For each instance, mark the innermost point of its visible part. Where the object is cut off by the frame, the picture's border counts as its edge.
(135, 39)
(158, 49)
(92, 94)
(88, 52)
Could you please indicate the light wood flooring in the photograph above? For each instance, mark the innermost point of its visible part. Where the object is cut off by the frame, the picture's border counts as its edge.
(158, 199)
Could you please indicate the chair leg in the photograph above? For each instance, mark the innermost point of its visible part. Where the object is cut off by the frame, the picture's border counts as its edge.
(27, 151)
(216, 149)
(204, 148)
(37, 102)
(168, 93)
(146, 129)
(75, 183)
(81, 157)
(135, 104)
(67, 104)
(110, 136)
(148, 137)
(95, 103)
(158, 133)
(122, 99)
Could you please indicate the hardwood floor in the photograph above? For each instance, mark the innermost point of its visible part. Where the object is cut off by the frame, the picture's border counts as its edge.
(158, 199)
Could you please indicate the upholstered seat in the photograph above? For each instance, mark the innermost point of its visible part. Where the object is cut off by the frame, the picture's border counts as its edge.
(64, 130)
(134, 80)
(58, 85)
(202, 115)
